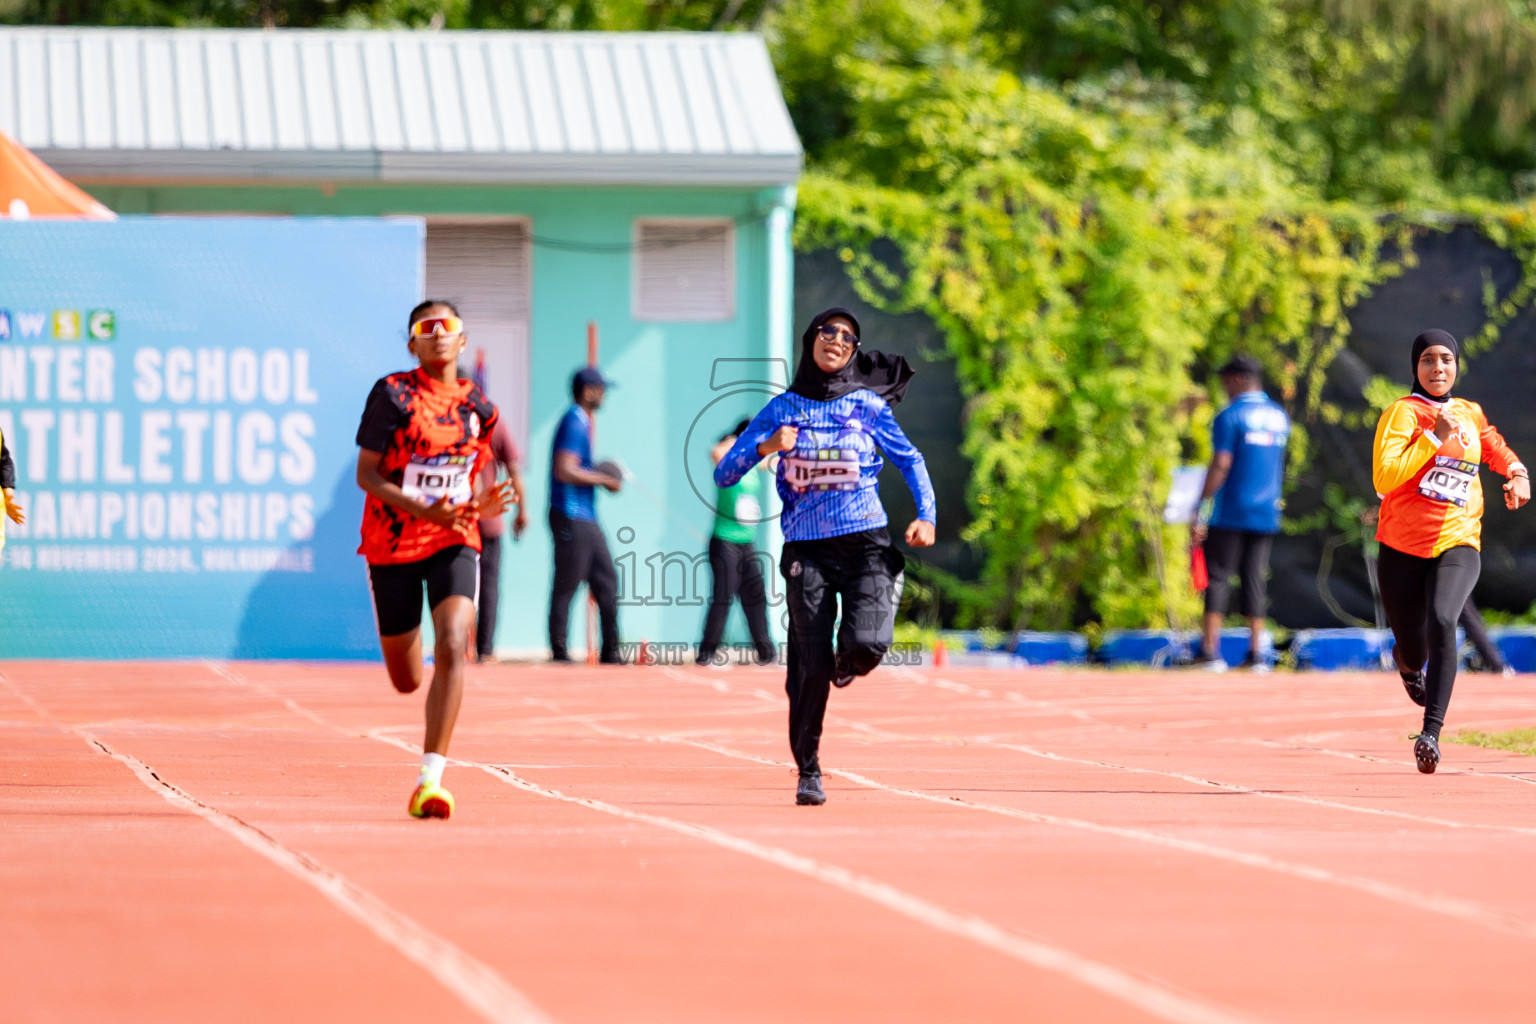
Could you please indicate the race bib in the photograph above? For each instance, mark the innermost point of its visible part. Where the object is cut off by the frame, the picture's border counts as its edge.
(442, 476)
(825, 469)
(1449, 480)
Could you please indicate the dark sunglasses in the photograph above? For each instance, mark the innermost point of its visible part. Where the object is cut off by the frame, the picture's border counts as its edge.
(837, 332)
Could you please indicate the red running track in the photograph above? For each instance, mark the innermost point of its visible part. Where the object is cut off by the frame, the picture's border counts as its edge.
(195, 842)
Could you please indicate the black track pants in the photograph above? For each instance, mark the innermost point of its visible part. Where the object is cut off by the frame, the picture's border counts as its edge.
(1239, 553)
(738, 572)
(1477, 632)
(865, 572)
(1423, 598)
(581, 556)
(490, 590)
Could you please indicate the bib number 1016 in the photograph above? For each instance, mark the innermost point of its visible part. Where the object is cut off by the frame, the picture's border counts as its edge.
(431, 481)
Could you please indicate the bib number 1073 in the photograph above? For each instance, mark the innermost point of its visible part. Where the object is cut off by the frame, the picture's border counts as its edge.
(1449, 480)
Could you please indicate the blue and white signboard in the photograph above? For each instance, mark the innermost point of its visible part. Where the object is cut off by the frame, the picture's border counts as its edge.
(180, 396)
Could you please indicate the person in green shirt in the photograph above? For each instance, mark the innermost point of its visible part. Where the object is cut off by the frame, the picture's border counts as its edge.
(737, 565)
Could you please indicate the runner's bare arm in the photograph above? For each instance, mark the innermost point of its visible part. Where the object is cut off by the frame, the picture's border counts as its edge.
(493, 502)
(455, 517)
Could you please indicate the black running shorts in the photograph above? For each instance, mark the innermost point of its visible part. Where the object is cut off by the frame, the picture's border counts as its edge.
(397, 588)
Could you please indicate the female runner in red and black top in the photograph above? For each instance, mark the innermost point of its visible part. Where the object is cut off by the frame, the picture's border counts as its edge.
(423, 437)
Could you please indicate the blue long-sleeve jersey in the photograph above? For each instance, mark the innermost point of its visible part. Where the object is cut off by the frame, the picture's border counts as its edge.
(828, 483)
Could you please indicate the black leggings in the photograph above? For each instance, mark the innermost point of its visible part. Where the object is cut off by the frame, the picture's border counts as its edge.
(738, 572)
(1423, 598)
(865, 571)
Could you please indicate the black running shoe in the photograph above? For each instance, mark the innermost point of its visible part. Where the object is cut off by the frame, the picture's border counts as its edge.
(1413, 680)
(1426, 752)
(842, 679)
(809, 794)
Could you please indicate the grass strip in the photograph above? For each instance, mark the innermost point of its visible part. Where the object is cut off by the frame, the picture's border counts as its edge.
(1521, 741)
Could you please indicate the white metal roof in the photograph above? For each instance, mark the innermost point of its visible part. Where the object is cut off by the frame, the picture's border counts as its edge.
(129, 104)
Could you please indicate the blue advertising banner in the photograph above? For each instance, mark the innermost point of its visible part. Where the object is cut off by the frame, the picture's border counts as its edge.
(180, 397)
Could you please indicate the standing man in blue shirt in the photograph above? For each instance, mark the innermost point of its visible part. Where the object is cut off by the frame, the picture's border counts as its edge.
(581, 552)
(1240, 506)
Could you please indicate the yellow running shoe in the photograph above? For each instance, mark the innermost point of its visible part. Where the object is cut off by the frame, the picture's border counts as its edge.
(431, 800)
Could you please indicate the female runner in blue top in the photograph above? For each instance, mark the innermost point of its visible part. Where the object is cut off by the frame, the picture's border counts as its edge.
(829, 423)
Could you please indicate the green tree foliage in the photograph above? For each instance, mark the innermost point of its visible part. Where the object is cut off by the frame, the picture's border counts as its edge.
(1095, 220)
(564, 15)
(1097, 201)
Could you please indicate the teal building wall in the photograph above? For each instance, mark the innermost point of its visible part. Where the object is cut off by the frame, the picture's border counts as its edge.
(669, 380)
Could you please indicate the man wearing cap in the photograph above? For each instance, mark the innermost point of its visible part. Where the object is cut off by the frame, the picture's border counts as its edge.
(581, 552)
(1240, 506)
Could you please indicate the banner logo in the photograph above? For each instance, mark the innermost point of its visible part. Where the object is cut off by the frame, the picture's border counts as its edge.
(60, 324)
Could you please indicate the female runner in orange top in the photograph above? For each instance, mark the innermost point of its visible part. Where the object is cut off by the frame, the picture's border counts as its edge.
(1428, 447)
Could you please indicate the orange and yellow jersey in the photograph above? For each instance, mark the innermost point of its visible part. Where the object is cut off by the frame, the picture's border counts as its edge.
(1432, 499)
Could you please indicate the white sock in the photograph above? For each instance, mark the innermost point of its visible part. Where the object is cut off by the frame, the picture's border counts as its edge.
(431, 769)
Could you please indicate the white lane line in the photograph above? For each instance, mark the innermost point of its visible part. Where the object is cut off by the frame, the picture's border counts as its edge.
(1231, 787)
(476, 985)
(1312, 801)
(220, 669)
(1147, 996)
(1353, 756)
(1014, 696)
(718, 685)
(1462, 910)
(1193, 779)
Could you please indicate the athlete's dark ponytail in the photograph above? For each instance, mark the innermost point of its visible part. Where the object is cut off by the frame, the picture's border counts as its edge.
(426, 304)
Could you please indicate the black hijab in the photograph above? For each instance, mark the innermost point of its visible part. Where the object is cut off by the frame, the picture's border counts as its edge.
(1433, 336)
(885, 375)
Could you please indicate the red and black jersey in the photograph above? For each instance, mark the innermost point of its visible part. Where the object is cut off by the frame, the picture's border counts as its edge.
(434, 438)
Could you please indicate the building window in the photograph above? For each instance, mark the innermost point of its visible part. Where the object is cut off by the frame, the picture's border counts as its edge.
(485, 269)
(685, 269)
